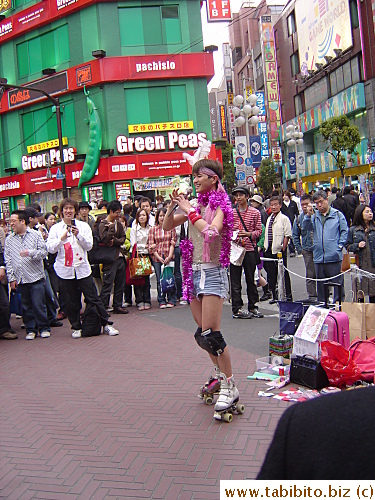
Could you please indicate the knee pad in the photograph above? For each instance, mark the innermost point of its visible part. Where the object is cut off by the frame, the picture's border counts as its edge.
(212, 342)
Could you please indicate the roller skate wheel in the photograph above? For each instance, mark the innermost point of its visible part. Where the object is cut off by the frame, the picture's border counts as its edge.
(240, 408)
(227, 417)
(209, 400)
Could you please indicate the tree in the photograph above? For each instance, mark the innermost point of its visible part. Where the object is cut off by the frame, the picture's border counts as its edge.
(341, 137)
(228, 168)
(267, 175)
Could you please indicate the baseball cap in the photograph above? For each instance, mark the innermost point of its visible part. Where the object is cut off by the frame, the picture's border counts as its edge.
(241, 189)
(84, 204)
(257, 199)
(32, 212)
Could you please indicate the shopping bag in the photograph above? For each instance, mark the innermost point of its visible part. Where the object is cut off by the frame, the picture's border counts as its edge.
(128, 279)
(345, 264)
(363, 354)
(167, 282)
(357, 319)
(140, 266)
(237, 254)
(291, 314)
(338, 364)
(370, 320)
(15, 303)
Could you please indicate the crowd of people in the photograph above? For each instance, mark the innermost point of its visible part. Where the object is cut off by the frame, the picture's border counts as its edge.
(45, 258)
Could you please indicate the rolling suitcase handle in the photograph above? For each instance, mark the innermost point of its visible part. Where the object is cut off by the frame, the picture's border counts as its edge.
(326, 293)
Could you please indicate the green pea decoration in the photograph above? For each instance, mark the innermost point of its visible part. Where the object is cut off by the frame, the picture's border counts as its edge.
(95, 143)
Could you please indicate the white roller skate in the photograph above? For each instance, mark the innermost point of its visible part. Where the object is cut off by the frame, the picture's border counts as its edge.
(227, 403)
(211, 387)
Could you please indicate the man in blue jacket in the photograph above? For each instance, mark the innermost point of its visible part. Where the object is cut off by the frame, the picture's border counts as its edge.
(306, 248)
(330, 232)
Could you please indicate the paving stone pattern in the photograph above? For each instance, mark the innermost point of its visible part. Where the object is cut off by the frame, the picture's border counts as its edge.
(119, 417)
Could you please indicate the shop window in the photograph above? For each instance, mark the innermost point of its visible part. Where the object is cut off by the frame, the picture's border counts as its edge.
(39, 126)
(294, 64)
(298, 104)
(44, 51)
(340, 79)
(20, 3)
(236, 55)
(156, 25)
(347, 75)
(356, 77)
(156, 104)
(354, 13)
(316, 94)
(333, 83)
(291, 21)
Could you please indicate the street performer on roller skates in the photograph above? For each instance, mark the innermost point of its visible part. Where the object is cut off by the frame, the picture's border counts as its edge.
(205, 282)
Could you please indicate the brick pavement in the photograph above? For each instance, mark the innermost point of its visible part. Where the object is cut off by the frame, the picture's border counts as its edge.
(119, 417)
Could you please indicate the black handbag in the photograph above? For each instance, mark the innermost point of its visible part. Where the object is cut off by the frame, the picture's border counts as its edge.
(101, 253)
(256, 253)
(307, 371)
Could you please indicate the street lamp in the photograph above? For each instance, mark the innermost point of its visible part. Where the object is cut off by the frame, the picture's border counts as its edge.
(56, 102)
(246, 112)
(295, 138)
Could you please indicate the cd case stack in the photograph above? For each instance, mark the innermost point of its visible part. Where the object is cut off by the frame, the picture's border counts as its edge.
(281, 345)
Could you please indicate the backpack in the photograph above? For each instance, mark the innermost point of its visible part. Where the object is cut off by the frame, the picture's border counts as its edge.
(91, 323)
(363, 354)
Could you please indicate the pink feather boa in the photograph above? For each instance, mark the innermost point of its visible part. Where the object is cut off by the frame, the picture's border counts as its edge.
(212, 200)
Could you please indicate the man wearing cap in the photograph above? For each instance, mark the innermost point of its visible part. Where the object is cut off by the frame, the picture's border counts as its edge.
(247, 223)
(83, 213)
(257, 202)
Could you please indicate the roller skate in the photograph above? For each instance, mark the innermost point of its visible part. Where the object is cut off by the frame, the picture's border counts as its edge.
(227, 403)
(211, 387)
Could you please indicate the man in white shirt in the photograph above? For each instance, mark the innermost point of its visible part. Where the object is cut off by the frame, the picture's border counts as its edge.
(71, 239)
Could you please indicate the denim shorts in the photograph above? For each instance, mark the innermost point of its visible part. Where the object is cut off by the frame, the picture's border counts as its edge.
(214, 281)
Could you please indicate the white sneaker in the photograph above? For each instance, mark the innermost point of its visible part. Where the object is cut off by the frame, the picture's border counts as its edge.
(228, 394)
(31, 336)
(126, 304)
(45, 335)
(183, 302)
(77, 334)
(110, 330)
(18, 316)
(109, 309)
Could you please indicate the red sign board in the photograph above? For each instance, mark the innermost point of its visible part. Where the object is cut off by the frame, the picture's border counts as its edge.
(218, 10)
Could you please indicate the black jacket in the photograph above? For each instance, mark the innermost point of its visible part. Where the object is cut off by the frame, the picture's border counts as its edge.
(340, 204)
(291, 211)
(330, 437)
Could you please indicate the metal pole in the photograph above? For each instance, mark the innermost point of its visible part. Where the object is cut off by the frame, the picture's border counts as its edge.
(61, 151)
(297, 173)
(247, 122)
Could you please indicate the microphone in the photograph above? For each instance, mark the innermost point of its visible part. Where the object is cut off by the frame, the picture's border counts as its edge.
(188, 193)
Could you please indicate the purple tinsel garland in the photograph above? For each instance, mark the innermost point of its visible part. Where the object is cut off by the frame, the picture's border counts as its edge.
(214, 199)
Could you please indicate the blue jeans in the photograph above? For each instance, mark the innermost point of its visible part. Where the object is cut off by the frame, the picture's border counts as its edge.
(162, 299)
(177, 271)
(34, 311)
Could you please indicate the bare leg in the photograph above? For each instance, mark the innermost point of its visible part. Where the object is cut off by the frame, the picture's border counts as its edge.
(207, 314)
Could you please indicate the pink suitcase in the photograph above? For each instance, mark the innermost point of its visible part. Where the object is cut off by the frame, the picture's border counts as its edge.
(338, 328)
(337, 321)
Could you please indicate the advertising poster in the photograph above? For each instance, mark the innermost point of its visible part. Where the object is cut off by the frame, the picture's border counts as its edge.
(323, 27)
(292, 163)
(218, 10)
(255, 150)
(123, 190)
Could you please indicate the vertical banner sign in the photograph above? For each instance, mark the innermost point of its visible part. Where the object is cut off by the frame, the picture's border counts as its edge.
(223, 121)
(292, 163)
(255, 150)
(262, 125)
(241, 154)
(218, 10)
(213, 116)
(270, 76)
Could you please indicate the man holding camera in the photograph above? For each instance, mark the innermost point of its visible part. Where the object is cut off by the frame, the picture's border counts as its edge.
(71, 239)
(330, 232)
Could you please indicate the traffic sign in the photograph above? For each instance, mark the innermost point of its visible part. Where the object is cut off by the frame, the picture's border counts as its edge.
(240, 176)
(248, 162)
(250, 180)
(239, 160)
(59, 175)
